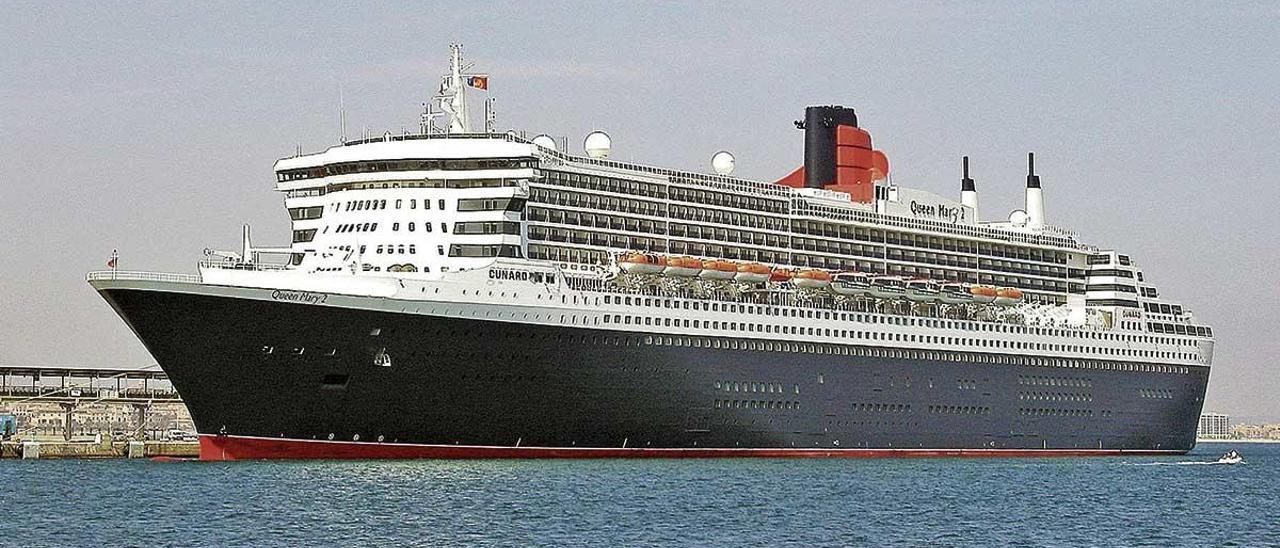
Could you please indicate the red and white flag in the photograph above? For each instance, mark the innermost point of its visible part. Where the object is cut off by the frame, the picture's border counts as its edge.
(111, 262)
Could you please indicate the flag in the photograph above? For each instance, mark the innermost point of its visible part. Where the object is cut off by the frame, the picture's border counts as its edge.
(478, 82)
(111, 262)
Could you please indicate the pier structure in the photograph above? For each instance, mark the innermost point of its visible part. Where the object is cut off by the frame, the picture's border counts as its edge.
(74, 401)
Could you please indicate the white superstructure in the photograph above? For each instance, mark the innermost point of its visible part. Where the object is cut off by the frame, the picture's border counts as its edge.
(422, 217)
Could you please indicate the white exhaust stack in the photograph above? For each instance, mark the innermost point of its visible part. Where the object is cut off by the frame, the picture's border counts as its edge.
(1035, 197)
(968, 193)
(246, 247)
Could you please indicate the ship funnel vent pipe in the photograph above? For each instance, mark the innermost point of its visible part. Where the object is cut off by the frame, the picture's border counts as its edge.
(968, 192)
(1035, 196)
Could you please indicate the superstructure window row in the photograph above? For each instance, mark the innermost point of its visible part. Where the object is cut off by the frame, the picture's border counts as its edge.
(486, 227)
(476, 250)
(596, 201)
(405, 165)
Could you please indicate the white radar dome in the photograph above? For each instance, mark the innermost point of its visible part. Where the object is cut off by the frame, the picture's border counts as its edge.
(722, 162)
(1018, 218)
(545, 141)
(598, 144)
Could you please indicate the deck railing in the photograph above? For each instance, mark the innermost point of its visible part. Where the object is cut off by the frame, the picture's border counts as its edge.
(138, 276)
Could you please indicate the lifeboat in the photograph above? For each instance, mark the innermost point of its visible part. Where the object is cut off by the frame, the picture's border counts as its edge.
(781, 275)
(955, 293)
(922, 291)
(682, 266)
(851, 284)
(640, 263)
(752, 273)
(982, 294)
(718, 270)
(1008, 296)
(887, 287)
(812, 279)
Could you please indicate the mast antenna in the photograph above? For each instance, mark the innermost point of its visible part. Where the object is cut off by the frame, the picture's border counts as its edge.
(342, 117)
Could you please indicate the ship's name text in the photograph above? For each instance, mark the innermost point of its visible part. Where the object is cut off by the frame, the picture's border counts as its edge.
(946, 213)
(304, 297)
(521, 276)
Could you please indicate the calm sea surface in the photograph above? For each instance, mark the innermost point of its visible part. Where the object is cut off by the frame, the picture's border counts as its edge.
(941, 502)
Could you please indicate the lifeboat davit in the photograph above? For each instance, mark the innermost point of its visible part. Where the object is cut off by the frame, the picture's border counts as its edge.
(955, 293)
(851, 284)
(922, 291)
(812, 279)
(887, 287)
(752, 273)
(718, 270)
(781, 275)
(982, 294)
(683, 266)
(1008, 296)
(640, 263)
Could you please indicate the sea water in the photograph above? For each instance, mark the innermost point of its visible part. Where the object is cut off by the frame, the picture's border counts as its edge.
(1111, 501)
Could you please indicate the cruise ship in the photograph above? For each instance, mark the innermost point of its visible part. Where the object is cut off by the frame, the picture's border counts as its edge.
(472, 293)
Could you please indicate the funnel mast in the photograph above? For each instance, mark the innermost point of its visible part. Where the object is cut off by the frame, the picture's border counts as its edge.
(1035, 197)
(968, 192)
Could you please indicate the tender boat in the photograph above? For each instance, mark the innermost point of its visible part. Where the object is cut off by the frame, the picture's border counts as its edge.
(955, 293)
(1007, 296)
(812, 279)
(922, 291)
(752, 273)
(851, 284)
(887, 287)
(983, 294)
(718, 270)
(683, 266)
(641, 263)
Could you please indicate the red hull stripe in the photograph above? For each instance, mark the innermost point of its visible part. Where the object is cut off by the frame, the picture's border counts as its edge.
(249, 448)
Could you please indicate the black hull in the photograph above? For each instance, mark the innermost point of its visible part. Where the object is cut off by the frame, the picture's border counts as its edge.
(479, 383)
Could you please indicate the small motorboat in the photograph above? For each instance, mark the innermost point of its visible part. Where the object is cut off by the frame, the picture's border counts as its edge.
(812, 279)
(685, 267)
(955, 293)
(752, 273)
(718, 270)
(887, 287)
(1230, 457)
(642, 263)
(922, 291)
(851, 284)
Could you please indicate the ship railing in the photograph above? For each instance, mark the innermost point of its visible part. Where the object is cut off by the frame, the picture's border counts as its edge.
(140, 276)
(231, 264)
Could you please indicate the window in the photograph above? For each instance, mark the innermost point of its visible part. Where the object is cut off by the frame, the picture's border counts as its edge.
(304, 235)
(304, 213)
(471, 250)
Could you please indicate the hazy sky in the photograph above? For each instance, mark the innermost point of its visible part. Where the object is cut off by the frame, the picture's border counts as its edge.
(152, 128)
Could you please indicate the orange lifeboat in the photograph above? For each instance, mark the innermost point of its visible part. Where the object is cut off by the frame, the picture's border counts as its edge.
(682, 266)
(716, 269)
(812, 279)
(752, 273)
(983, 294)
(640, 263)
(780, 275)
(1008, 296)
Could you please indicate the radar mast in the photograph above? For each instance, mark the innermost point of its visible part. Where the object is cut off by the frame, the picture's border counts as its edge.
(452, 96)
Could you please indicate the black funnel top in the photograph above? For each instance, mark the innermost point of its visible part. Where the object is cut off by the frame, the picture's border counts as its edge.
(820, 142)
(966, 183)
(1033, 180)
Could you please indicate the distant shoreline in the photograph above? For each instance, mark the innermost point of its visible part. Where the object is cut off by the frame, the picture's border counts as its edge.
(1242, 440)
